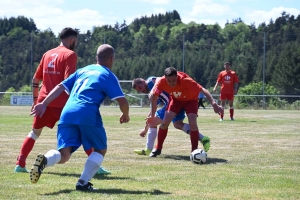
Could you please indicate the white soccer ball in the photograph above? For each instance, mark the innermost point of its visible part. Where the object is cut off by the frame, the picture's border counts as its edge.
(198, 156)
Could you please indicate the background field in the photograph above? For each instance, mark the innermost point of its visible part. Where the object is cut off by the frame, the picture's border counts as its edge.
(255, 157)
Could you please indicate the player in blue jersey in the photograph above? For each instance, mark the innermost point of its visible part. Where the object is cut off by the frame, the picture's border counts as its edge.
(80, 121)
(145, 86)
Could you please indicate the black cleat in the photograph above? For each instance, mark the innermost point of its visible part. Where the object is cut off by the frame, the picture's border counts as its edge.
(37, 168)
(155, 153)
(86, 187)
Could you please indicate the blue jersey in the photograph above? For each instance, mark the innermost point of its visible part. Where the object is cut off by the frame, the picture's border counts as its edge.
(88, 87)
(201, 95)
(163, 97)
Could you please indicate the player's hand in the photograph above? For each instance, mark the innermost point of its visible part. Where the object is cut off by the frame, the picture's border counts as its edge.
(124, 119)
(218, 109)
(149, 120)
(38, 110)
(143, 133)
(151, 96)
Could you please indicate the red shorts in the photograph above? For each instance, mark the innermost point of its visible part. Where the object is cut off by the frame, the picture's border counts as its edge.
(49, 118)
(189, 106)
(226, 96)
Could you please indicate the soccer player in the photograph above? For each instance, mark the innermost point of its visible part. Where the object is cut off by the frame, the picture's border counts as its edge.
(228, 80)
(184, 93)
(145, 86)
(55, 66)
(200, 101)
(80, 122)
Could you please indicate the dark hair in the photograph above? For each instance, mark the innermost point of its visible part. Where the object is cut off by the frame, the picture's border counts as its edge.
(170, 71)
(68, 32)
(137, 81)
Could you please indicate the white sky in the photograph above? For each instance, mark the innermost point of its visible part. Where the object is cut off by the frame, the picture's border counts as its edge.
(57, 14)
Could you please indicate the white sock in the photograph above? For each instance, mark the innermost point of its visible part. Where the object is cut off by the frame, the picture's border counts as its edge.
(151, 136)
(32, 135)
(186, 128)
(91, 166)
(53, 157)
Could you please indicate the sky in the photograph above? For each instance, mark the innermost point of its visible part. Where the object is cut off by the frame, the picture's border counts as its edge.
(84, 15)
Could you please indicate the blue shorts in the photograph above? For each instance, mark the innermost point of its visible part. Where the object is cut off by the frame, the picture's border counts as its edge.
(161, 113)
(74, 135)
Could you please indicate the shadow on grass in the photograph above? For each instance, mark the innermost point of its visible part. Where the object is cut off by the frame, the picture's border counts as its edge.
(187, 158)
(97, 176)
(112, 191)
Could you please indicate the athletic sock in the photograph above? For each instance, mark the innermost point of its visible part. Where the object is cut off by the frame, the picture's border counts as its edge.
(53, 157)
(231, 111)
(26, 148)
(91, 166)
(194, 135)
(186, 128)
(161, 136)
(222, 115)
(151, 136)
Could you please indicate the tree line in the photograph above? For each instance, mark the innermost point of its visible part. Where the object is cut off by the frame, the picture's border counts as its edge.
(148, 45)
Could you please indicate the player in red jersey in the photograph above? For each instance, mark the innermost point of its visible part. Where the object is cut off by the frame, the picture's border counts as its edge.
(228, 81)
(184, 93)
(55, 66)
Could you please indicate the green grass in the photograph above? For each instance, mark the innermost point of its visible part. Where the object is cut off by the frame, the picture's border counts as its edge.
(255, 157)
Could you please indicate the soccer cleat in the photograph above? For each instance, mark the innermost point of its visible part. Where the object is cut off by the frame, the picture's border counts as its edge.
(37, 168)
(143, 151)
(86, 187)
(18, 168)
(206, 143)
(231, 119)
(103, 171)
(221, 119)
(155, 153)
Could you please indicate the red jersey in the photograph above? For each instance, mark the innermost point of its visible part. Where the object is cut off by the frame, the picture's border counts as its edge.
(228, 79)
(186, 88)
(56, 65)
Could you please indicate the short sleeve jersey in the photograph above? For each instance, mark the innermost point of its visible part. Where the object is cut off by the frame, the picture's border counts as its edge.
(56, 65)
(201, 95)
(163, 97)
(88, 87)
(227, 79)
(186, 88)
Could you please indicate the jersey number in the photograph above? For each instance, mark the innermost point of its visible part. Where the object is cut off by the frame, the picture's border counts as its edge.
(80, 85)
(51, 63)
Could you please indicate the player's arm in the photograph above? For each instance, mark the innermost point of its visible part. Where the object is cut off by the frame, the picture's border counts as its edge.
(35, 89)
(217, 84)
(40, 108)
(124, 107)
(208, 96)
(236, 87)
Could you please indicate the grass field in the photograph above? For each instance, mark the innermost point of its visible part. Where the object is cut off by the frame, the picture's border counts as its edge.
(255, 157)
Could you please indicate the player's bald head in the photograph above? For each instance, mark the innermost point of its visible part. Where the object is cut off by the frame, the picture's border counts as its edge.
(105, 52)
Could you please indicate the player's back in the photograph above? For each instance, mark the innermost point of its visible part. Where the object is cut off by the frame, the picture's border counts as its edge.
(56, 65)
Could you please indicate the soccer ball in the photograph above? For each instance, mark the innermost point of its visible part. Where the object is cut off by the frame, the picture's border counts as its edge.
(198, 156)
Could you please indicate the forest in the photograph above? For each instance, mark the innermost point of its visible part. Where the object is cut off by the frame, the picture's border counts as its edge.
(268, 52)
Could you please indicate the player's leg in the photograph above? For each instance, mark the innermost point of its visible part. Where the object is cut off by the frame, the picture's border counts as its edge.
(192, 113)
(92, 137)
(152, 132)
(102, 170)
(231, 108)
(68, 141)
(223, 102)
(50, 117)
(162, 132)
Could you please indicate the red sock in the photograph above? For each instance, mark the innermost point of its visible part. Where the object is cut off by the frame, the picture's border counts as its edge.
(194, 135)
(222, 115)
(231, 110)
(88, 152)
(161, 136)
(25, 150)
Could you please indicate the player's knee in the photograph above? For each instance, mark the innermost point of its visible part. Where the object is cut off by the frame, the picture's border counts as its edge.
(64, 157)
